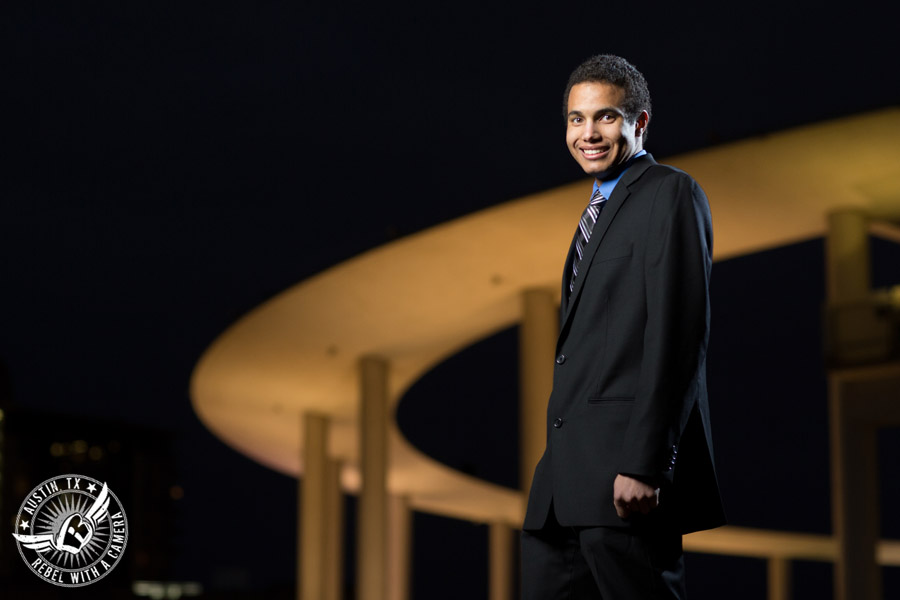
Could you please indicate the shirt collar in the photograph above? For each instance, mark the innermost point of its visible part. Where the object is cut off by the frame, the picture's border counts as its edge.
(607, 187)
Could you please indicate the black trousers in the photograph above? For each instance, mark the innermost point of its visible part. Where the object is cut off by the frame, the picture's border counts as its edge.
(602, 563)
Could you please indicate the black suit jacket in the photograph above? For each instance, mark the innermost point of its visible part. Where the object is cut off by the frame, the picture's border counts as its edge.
(629, 385)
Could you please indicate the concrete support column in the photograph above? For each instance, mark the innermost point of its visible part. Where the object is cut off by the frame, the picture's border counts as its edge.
(334, 539)
(371, 561)
(399, 548)
(538, 332)
(314, 508)
(501, 562)
(854, 495)
(854, 460)
(779, 572)
(848, 271)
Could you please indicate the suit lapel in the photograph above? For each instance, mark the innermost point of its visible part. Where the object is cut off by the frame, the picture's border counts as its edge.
(613, 204)
(567, 273)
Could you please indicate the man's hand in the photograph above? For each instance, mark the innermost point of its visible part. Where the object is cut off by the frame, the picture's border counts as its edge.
(631, 495)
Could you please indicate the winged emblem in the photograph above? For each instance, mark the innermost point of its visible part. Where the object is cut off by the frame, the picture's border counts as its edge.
(76, 531)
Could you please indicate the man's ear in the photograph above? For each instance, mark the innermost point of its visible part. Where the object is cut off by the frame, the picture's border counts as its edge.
(640, 124)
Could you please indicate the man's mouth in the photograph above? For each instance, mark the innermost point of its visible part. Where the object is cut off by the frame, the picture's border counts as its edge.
(594, 152)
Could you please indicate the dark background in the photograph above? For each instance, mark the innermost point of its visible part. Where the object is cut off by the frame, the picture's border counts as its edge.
(169, 166)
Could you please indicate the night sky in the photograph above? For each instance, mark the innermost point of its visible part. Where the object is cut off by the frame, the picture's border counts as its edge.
(170, 166)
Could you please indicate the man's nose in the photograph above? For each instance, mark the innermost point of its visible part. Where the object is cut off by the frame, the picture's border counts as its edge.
(590, 131)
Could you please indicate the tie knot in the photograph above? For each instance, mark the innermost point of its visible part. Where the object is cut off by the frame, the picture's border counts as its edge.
(597, 198)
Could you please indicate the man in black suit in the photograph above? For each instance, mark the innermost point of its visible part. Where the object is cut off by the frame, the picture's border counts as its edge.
(628, 466)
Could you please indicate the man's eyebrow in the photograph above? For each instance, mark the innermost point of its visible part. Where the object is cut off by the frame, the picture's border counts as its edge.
(606, 110)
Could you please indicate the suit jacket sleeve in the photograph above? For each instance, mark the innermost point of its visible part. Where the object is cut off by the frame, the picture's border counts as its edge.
(676, 271)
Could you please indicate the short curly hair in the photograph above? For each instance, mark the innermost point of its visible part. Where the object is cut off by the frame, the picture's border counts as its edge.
(608, 68)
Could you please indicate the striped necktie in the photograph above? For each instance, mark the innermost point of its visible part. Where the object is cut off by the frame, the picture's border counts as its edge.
(583, 235)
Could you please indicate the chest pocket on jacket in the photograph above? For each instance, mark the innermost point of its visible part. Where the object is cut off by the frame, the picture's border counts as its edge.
(607, 252)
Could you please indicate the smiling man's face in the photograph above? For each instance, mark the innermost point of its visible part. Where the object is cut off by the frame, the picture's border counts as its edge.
(598, 133)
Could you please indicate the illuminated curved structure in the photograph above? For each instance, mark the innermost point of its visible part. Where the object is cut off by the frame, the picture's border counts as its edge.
(412, 303)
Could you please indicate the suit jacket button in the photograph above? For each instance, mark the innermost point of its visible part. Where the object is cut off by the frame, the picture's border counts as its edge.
(560, 359)
(557, 423)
